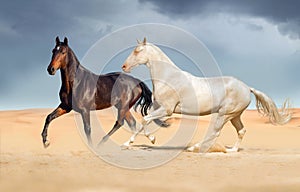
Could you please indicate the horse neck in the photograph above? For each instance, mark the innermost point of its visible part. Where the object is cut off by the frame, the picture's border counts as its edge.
(157, 54)
(68, 73)
(159, 63)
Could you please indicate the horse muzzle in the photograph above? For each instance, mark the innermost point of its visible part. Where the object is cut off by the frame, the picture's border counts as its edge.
(125, 68)
(51, 70)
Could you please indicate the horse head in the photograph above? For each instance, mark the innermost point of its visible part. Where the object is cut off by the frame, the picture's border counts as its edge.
(59, 58)
(138, 56)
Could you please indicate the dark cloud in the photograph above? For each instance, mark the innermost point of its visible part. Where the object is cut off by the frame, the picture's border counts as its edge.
(37, 20)
(285, 14)
(179, 8)
(28, 30)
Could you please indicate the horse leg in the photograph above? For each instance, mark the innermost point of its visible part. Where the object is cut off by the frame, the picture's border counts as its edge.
(59, 111)
(211, 135)
(119, 123)
(130, 121)
(116, 126)
(85, 114)
(126, 145)
(158, 113)
(237, 123)
(132, 124)
(148, 135)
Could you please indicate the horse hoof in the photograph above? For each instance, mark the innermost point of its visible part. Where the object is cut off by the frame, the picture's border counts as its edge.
(231, 149)
(46, 144)
(125, 146)
(99, 144)
(194, 149)
(152, 139)
(165, 124)
(190, 149)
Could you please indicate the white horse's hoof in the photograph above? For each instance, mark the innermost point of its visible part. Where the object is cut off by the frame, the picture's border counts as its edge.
(152, 139)
(194, 149)
(125, 146)
(232, 150)
(190, 149)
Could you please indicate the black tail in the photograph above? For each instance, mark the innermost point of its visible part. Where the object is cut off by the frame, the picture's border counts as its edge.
(145, 102)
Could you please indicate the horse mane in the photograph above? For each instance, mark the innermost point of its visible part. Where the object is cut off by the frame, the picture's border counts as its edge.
(72, 57)
(156, 48)
(74, 64)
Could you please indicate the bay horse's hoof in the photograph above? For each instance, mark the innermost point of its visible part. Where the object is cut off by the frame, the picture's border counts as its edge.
(100, 143)
(46, 144)
(103, 140)
(152, 139)
(165, 124)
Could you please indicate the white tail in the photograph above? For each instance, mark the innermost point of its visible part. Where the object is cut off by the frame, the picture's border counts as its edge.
(265, 105)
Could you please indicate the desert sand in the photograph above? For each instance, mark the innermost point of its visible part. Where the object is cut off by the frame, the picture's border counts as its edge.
(269, 159)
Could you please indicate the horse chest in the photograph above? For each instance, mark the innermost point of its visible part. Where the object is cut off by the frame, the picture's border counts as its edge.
(65, 97)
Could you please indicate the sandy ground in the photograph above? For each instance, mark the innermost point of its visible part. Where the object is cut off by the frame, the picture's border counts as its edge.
(269, 159)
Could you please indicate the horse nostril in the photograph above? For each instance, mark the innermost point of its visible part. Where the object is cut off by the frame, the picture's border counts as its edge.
(51, 70)
(123, 67)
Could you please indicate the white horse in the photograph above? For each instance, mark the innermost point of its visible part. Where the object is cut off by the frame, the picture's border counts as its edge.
(177, 91)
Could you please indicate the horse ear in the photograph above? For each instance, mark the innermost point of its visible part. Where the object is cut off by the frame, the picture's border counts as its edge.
(145, 41)
(66, 41)
(138, 41)
(57, 40)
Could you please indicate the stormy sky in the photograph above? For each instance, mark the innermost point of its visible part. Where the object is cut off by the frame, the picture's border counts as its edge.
(255, 41)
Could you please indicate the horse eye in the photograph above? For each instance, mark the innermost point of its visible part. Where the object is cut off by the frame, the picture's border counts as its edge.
(138, 49)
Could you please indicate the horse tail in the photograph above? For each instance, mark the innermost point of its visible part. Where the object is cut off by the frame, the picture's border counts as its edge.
(145, 102)
(266, 106)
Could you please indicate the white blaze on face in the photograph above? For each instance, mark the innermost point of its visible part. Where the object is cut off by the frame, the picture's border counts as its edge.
(57, 48)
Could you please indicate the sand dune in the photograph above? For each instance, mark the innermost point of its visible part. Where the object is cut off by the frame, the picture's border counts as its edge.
(269, 159)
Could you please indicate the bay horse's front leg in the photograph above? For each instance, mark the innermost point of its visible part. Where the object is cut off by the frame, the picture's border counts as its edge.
(59, 111)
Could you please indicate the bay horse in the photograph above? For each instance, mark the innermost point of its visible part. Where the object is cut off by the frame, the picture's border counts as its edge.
(83, 91)
(178, 91)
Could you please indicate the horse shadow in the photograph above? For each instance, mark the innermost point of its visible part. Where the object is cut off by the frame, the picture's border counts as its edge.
(174, 148)
(151, 147)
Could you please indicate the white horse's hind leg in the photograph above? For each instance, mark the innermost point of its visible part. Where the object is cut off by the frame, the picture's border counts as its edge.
(126, 145)
(149, 135)
(156, 114)
(237, 123)
(213, 132)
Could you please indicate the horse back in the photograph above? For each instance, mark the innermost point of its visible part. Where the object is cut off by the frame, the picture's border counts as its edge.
(115, 87)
